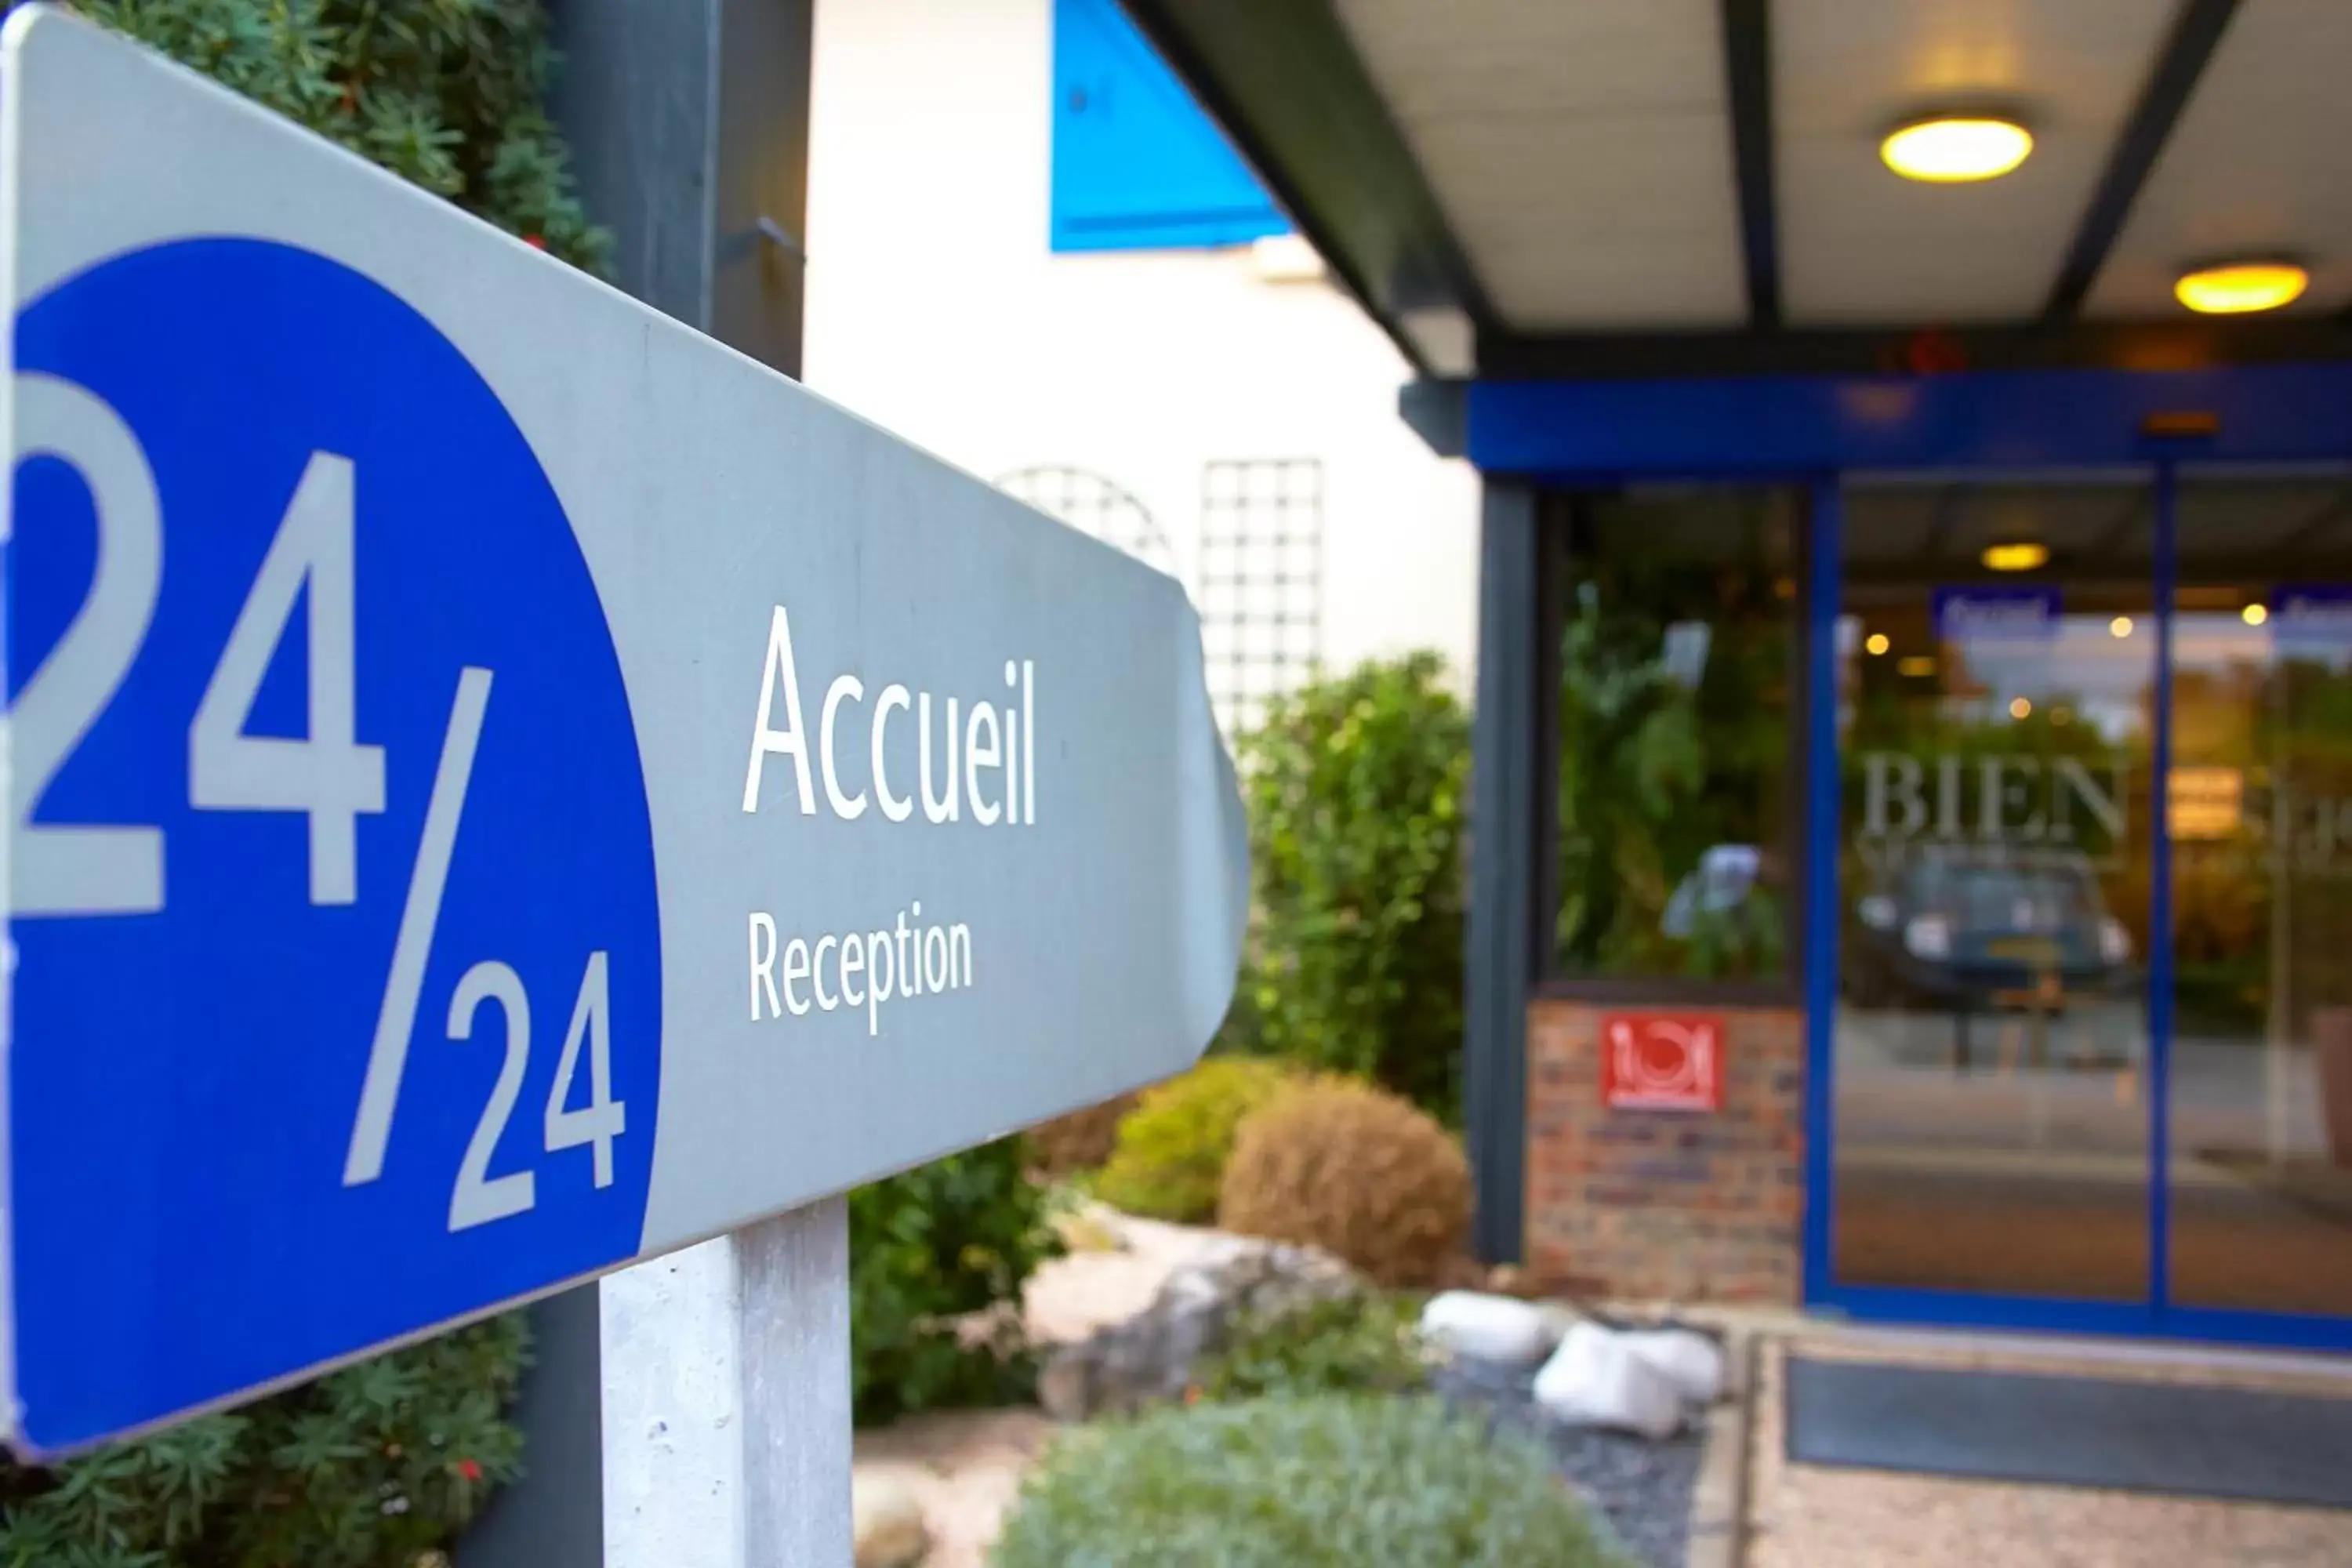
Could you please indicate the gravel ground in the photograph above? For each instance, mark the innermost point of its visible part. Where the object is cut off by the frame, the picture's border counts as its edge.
(1643, 1488)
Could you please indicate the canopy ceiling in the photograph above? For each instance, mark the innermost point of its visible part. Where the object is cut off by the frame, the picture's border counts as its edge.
(1642, 186)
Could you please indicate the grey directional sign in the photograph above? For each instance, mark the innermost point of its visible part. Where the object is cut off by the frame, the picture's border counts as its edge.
(502, 784)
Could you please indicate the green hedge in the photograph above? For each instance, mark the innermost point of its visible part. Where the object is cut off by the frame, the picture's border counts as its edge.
(1355, 787)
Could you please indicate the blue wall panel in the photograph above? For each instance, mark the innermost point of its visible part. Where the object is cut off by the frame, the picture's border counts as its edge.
(1761, 423)
(1137, 165)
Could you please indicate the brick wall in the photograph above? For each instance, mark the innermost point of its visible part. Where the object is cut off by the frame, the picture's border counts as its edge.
(1662, 1205)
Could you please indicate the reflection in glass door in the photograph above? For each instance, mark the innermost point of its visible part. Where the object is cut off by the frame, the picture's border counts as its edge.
(1996, 657)
(2259, 1114)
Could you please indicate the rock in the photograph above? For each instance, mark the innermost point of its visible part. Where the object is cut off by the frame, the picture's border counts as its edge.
(887, 1523)
(1066, 1384)
(1689, 1360)
(1490, 1328)
(1559, 1319)
(1594, 1379)
(1151, 1356)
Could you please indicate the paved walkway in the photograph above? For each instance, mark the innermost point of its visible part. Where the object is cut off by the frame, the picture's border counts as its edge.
(964, 1466)
(1803, 1516)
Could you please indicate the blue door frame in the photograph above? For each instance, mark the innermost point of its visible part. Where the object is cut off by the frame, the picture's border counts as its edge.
(1817, 431)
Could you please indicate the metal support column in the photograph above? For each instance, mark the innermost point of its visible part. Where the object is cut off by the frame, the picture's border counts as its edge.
(1498, 964)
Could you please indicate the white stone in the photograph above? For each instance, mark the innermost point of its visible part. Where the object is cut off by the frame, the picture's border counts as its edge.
(888, 1522)
(1685, 1358)
(1559, 1318)
(1489, 1327)
(1595, 1380)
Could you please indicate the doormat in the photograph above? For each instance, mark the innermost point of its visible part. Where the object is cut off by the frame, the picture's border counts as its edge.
(2231, 1443)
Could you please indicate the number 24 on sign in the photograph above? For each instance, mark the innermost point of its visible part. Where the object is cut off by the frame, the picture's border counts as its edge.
(328, 776)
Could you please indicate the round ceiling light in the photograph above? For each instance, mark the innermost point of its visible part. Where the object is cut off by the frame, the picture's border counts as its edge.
(1951, 149)
(2235, 287)
(2016, 556)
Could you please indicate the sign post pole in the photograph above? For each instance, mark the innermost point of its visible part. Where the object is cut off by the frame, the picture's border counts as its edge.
(727, 1418)
(748, 1334)
(626, 69)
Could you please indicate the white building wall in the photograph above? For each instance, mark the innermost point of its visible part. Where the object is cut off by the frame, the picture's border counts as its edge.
(936, 308)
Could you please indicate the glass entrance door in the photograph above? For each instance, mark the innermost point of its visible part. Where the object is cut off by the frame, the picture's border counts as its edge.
(1997, 672)
(2090, 1042)
(2258, 1201)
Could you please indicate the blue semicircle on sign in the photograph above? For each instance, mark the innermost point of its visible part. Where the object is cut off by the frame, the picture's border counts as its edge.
(184, 1085)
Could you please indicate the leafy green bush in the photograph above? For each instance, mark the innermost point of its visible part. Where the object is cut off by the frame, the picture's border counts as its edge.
(365, 1468)
(1298, 1483)
(445, 93)
(1366, 1342)
(927, 1248)
(1355, 787)
(1169, 1159)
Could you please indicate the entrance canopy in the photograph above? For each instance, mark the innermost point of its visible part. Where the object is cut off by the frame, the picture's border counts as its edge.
(1615, 188)
(1982, 588)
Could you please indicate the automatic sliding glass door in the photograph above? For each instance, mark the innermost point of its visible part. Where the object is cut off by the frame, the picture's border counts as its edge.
(1997, 677)
(2260, 1194)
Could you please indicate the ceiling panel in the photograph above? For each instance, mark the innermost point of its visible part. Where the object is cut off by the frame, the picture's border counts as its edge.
(1860, 245)
(2232, 519)
(2257, 161)
(1582, 151)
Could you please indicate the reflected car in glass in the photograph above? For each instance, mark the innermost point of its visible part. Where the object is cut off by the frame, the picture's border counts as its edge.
(1980, 927)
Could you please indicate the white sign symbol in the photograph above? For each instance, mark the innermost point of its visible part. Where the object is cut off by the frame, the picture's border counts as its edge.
(478, 1197)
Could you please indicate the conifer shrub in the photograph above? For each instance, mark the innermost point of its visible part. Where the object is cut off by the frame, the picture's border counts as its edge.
(366, 1468)
(447, 94)
(1356, 1171)
(1326, 1481)
(1080, 1141)
(1170, 1157)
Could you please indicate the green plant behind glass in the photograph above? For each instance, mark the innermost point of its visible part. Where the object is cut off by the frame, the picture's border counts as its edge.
(1653, 772)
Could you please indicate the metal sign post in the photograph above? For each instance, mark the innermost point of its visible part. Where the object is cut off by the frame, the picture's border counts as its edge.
(504, 787)
(727, 1417)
